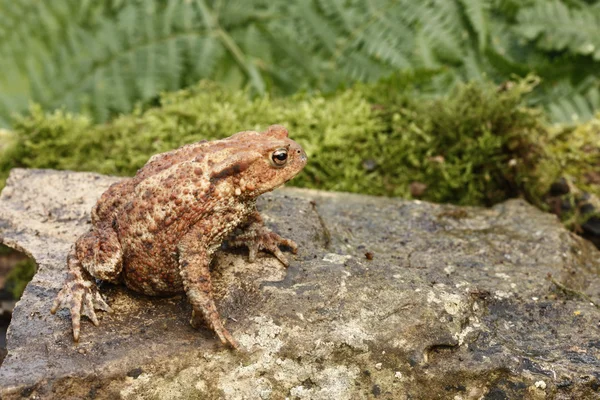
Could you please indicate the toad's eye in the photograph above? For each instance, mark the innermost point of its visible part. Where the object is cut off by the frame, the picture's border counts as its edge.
(279, 157)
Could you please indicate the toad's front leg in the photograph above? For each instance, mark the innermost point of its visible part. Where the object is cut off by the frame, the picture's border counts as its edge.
(256, 236)
(194, 262)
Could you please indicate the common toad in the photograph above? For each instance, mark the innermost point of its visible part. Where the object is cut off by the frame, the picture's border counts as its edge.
(157, 231)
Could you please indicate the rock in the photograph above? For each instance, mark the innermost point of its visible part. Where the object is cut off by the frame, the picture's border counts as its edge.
(457, 303)
(560, 187)
(591, 230)
(577, 208)
(587, 208)
(592, 177)
(417, 189)
(592, 226)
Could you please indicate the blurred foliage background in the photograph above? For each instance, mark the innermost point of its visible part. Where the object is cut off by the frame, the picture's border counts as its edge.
(104, 57)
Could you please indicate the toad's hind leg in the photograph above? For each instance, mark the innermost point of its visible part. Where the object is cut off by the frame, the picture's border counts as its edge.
(100, 253)
(194, 261)
(96, 254)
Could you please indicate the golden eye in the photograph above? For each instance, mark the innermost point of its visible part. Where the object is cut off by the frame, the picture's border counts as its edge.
(279, 157)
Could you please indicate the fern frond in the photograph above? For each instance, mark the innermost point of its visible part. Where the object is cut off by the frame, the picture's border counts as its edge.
(105, 56)
(442, 27)
(573, 104)
(476, 12)
(555, 27)
(115, 53)
(146, 48)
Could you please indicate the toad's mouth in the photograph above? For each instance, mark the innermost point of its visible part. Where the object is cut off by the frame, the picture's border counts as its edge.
(287, 180)
(282, 183)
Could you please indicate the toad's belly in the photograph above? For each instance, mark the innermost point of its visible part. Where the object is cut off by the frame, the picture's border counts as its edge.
(152, 272)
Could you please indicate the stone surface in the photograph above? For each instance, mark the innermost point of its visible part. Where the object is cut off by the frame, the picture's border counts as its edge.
(455, 303)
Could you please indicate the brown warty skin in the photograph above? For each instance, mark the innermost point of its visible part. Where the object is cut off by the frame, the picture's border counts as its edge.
(157, 231)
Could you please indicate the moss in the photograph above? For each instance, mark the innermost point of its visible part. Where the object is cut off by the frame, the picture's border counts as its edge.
(477, 145)
(5, 250)
(19, 276)
(575, 157)
(576, 154)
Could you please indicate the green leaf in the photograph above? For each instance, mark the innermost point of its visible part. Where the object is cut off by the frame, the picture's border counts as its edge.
(476, 12)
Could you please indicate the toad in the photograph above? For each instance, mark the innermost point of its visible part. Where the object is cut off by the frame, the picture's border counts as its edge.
(157, 232)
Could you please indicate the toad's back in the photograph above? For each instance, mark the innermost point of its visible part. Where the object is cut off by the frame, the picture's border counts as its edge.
(162, 209)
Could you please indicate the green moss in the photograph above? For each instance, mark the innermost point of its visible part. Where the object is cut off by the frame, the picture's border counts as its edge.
(577, 155)
(4, 250)
(19, 276)
(477, 145)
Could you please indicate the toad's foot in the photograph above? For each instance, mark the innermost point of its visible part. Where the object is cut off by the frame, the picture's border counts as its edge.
(259, 237)
(214, 322)
(81, 296)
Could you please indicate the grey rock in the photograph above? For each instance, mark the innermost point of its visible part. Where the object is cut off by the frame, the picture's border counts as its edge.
(458, 303)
